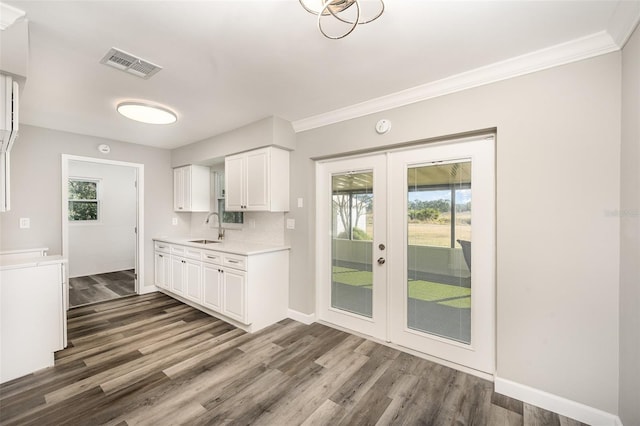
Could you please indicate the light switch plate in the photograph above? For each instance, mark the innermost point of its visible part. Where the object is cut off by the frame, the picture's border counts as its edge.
(25, 223)
(174, 221)
(291, 224)
(300, 203)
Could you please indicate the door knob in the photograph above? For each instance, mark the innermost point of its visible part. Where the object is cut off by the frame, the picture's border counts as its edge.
(381, 261)
(381, 246)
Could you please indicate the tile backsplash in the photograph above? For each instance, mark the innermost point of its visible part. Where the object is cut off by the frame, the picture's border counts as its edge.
(258, 227)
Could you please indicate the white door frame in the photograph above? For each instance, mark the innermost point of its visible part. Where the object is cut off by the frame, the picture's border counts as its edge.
(139, 258)
(488, 268)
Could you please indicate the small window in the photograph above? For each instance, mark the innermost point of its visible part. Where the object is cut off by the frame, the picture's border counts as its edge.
(229, 218)
(84, 203)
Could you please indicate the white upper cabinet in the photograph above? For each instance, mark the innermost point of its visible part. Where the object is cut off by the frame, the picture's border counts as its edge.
(257, 180)
(191, 189)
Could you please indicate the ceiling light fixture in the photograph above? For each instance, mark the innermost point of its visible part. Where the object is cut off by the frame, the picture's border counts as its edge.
(346, 17)
(145, 113)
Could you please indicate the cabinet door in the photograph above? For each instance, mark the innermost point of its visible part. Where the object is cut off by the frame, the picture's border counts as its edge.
(178, 189)
(234, 290)
(186, 187)
(234, 167)
(166, 271)
(177, 274)
(193, 279)
(257, 180)
(161, 269)
(212, 286)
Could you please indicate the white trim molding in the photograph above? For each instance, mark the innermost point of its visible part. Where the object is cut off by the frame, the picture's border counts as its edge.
(555, 403)
(9, 15)
(623, 22)
(575, 50)
(300, 317)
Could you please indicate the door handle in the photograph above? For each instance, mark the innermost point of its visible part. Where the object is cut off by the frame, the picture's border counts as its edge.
(381, 261)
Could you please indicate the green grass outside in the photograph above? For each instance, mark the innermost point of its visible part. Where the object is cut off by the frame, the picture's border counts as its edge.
(443, 294)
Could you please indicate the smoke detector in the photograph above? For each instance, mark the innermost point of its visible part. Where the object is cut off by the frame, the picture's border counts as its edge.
(129, 63)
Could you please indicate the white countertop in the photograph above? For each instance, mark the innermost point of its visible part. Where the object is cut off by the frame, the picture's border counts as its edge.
(30, 262)
(234, 247)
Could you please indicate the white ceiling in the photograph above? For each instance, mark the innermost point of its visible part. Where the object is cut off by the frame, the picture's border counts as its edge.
(229, 63)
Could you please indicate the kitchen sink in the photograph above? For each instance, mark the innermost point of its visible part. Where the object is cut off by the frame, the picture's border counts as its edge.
(205, 241)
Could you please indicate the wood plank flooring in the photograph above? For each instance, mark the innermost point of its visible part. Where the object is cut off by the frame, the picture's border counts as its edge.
(101, 287)
(151, 360)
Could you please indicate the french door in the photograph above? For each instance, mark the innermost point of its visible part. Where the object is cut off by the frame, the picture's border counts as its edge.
(406, 247)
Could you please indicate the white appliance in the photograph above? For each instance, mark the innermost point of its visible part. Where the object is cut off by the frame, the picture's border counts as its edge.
(8, 134)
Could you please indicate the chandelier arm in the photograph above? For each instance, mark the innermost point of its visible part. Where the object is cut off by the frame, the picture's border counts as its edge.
(346, 21)
(308, 9)
(353, 24)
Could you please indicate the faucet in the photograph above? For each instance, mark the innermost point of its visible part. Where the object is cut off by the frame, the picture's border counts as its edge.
(220, 229)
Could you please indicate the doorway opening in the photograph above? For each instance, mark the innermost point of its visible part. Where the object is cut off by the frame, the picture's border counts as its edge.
(102, 228)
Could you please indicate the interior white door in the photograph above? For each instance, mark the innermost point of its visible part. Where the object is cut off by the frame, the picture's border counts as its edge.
(351, 208)
(396, 258)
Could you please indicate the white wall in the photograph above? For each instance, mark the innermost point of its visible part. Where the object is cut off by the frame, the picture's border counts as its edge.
(36, 190)
(109, 244)
(557, 166)
(265, 132)
(630, 235)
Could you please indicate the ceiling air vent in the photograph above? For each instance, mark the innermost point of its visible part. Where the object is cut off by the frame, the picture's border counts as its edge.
(129, 63)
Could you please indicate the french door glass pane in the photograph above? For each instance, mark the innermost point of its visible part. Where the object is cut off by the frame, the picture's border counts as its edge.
(439, 249)
(351, 242)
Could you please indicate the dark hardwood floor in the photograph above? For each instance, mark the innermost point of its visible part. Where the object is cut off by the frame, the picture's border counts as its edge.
(101, 287)
(153, 360)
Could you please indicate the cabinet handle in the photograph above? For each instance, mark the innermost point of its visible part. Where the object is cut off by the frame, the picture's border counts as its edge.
(179, 208)
(160, 255)
(232, 261)
(163, 247)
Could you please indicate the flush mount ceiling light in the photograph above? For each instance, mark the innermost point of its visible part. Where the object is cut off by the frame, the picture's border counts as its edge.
(339, 17)
(145, 113)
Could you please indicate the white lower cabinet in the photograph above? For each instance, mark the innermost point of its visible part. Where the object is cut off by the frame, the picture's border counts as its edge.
(249, 291)
(193, 279)
(224, 287)
(177, 275)
(162, 268)
(186, 279)
(235, 298)
(212, 286)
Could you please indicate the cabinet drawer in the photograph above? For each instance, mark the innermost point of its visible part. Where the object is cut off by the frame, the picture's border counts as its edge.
(162, 247)
(177, 250)
(192, 253)
(235, 261)
(212, 257)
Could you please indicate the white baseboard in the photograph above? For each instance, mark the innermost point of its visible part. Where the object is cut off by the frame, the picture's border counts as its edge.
(147, 289)
(557, 404)
(300, 317)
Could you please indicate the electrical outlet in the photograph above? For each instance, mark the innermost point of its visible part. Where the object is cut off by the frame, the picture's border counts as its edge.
(174, 221)
(25, 223)
(291, 224)
(300, 202)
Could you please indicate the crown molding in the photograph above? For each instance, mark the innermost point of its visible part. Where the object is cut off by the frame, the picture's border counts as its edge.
(9, 15)
(560, 54)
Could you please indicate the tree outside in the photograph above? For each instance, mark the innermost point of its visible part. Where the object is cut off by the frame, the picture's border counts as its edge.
(83, 200)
